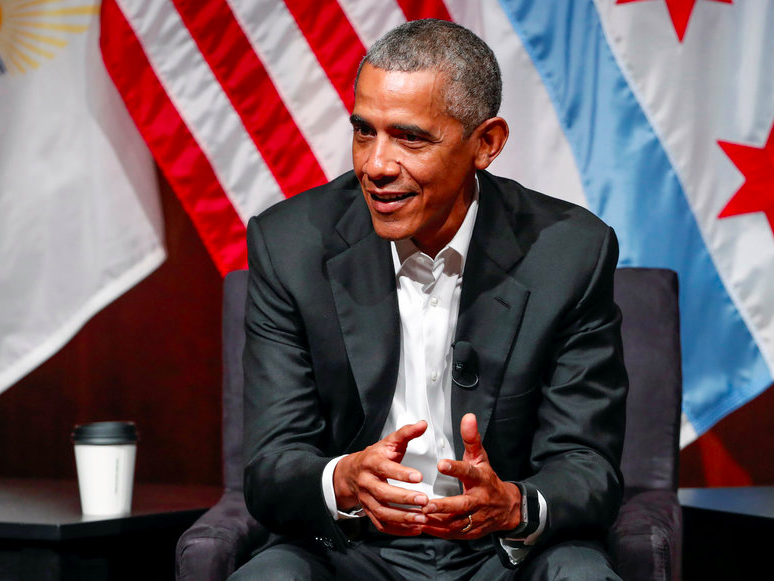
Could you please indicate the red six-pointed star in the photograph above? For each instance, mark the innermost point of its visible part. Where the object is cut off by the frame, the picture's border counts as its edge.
(679, 12)
(757, 191)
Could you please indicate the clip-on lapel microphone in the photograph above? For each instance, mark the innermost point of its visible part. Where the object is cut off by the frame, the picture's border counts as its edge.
(464, 365)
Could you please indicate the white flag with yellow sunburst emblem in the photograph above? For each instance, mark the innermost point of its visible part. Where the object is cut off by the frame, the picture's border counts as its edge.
(80, 221)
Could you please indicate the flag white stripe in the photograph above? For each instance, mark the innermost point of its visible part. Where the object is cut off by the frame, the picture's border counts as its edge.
(536, 140)
(687, 432)
(203, 106)
(371, 20)
(301, 82)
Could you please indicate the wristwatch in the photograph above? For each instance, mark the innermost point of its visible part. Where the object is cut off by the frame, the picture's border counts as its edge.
(530, 514)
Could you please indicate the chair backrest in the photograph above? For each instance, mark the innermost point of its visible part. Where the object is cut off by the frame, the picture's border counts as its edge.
(648, 298)
(651, 337)
(234, 298)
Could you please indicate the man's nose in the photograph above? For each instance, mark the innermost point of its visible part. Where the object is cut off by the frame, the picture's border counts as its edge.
(382, 161)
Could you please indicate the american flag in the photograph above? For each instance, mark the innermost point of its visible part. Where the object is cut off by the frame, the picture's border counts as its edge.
(244, 102)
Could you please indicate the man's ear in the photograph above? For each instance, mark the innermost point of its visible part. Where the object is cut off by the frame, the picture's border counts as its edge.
(490, 136)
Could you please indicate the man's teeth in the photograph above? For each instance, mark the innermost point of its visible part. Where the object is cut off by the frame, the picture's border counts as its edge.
(390, 197)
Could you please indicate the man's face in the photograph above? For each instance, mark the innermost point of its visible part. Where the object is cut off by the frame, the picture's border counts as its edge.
(415, 169)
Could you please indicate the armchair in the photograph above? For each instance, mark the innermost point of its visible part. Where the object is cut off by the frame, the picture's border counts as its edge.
(645, 541)
(223, 537)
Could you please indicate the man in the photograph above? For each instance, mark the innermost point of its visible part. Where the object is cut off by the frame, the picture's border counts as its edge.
(434, 379)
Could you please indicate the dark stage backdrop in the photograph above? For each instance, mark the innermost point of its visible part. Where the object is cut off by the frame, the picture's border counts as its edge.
(153, 356)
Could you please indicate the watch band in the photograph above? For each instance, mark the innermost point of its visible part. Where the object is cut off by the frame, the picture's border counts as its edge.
(530, 514)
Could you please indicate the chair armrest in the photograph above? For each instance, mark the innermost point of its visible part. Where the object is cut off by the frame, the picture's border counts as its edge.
(219, 541)
(645, 542)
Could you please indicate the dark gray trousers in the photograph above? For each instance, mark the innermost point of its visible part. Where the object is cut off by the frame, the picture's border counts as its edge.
(382, 558)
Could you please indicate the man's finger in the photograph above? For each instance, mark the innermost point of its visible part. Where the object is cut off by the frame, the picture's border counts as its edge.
(451, 527)
(463, 471)
(402, 436)
(387, 493)
(401, 530)
(386, 468)
(448, 521)
(397, 442)
(474, 451)
(392, 520)
(387, 515)
(449, 505)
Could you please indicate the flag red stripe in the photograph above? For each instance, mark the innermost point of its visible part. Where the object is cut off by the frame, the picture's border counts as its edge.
(248, 86)
(416, 9)
(333, 41)
(177, 154)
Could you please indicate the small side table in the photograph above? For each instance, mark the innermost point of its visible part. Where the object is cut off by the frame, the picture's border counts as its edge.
(727, 532)
(43, 535)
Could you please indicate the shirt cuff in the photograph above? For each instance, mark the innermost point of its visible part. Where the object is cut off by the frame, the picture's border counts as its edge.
(330, 495)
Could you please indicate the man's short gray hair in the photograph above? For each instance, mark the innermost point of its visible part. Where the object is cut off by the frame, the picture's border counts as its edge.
(474, 86)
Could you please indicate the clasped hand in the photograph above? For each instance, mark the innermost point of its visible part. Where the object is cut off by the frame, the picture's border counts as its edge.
(360, 479)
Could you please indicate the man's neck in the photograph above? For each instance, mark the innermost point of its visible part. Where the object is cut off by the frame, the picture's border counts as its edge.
(452, 225)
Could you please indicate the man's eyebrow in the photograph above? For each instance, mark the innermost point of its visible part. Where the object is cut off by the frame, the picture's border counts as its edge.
(413, 129)
(355, 119)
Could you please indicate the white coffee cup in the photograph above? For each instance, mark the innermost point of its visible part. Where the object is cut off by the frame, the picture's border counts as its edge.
(104, 457)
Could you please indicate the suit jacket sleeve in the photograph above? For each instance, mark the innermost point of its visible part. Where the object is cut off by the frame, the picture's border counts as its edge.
(283, 420)
(577, 447)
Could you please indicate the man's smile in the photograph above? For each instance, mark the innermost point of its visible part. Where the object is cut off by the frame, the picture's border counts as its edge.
(390, 196)
(386, 201)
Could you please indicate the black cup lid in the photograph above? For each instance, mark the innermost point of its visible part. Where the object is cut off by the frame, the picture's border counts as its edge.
(105, 433)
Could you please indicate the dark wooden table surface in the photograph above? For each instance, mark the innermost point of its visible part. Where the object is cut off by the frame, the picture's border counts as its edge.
(727, 532)
(43, 534)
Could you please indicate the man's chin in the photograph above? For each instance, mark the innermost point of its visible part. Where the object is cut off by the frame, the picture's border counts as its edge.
(391, 231)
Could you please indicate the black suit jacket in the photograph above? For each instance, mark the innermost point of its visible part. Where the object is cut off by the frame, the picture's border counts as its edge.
(322, 352)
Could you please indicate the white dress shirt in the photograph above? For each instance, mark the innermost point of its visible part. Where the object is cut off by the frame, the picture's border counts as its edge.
(428, 301)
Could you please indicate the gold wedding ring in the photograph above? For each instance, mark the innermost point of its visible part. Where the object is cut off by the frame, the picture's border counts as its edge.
(468, 526)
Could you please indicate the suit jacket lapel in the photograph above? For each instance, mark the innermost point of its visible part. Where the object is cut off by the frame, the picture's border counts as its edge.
(492, 304)
(364, 292)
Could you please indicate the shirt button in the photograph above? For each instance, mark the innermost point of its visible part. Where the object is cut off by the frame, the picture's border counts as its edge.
(434, 301)
(434, 375)
(441, 445)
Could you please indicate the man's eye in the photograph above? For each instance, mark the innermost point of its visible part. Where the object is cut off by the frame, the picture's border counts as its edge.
(362, 130)
(411, 138)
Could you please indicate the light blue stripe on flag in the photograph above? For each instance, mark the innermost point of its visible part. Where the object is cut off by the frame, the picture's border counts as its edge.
(629, 182)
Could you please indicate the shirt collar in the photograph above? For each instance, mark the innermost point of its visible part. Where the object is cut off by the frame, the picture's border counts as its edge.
(402, 250)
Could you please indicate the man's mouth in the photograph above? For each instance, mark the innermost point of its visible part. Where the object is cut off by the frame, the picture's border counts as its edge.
(387, 197)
